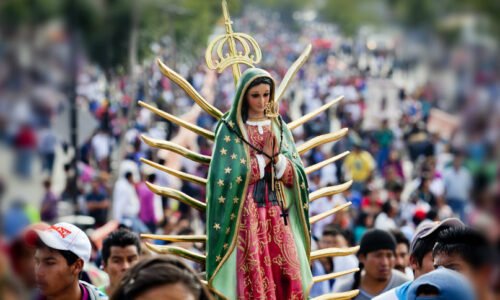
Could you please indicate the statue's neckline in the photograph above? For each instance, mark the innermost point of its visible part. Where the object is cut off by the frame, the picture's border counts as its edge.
(260, 124)
(258, 119)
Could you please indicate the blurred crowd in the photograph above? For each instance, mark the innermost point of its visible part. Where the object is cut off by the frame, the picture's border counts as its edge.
(423, 139)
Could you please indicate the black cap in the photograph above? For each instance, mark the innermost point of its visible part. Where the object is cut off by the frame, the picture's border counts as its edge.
(376, 239)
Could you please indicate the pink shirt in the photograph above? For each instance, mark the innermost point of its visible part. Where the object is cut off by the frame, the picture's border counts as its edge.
(146, 199)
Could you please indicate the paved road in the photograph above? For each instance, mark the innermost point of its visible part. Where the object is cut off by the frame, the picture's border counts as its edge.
(30, 190)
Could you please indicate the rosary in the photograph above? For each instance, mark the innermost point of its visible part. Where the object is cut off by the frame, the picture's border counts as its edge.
(276, 195)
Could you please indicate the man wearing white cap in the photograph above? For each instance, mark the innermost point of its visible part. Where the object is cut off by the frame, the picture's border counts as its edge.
(61, 252)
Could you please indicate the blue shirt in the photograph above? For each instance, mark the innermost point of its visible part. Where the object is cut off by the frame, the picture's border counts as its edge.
(402, 290)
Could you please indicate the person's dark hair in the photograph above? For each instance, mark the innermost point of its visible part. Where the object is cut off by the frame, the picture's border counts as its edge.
(422, 247)
(128, 175)
(152, 178)
(69, 256)
(396, 187)
(47, 183)
(119, 238)
(432, 214)
(387, 207)
(157, 271)
(470, 244)
(331, 230)
(186, 231)
(256, 82)
(362, 219)
(400, 238)
(334, 230)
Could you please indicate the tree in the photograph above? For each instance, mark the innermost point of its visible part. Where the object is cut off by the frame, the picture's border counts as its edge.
(350, 15)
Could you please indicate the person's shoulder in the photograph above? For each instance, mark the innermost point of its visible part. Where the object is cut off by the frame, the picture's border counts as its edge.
(389, 295)
(366, 155)
(398, 278)
(395, 293)
(343, 284)
(94, 292)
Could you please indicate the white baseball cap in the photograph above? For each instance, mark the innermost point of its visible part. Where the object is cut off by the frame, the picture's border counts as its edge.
(63, 236)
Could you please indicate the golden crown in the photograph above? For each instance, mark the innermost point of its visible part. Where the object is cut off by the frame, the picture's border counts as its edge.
(250, 55)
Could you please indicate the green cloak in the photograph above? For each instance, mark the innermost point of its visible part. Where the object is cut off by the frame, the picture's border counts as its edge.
(227, 188)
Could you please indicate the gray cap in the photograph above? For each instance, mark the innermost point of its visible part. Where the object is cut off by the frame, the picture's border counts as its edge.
(427, 228)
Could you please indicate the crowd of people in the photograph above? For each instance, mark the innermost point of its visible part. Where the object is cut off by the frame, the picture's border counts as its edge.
(444, 260)
(424, 211)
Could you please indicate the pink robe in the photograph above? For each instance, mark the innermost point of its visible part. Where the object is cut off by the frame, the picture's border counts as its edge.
(267, 260)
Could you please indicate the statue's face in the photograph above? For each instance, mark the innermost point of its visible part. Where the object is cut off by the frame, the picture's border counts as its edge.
(257, 99)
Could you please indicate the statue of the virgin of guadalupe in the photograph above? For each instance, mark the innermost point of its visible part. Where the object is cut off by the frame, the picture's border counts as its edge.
(257, 210)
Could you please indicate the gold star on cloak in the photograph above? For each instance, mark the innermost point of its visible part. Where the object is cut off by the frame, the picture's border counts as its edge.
(233, 216)
(243, 161)
(227, 138)
(217, 226)
(223, 151)
(222, 199)
(228, 230)
(237, 140)
(228, 170)
(306, 205)
(226, 245)
(231, 123)
(234, 156)
(235, 200)
(238, 180)
(220, 182)
(294, 155)
(303, 185)
(217, 258)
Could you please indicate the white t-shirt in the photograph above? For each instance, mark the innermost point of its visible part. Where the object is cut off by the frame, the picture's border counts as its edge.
(384, 222)
(125, 201)
(101, 144)
(458, 183)
(321, 205)
(396, 280)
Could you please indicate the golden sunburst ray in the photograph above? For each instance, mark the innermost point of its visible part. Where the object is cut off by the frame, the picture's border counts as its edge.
(291, 73)
(165, 145)
(327, 213)
(338, 296)
(316, 167)
(176, 238)
(326, 277)
(294, 124)
(190, 90)
(330, 190)
(180, 122)
(332, 252)
(176, 173)
(177, 251)
(178, 195)
(322, 139)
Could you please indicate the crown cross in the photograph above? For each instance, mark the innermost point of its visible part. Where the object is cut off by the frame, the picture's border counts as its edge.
(249, 53)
